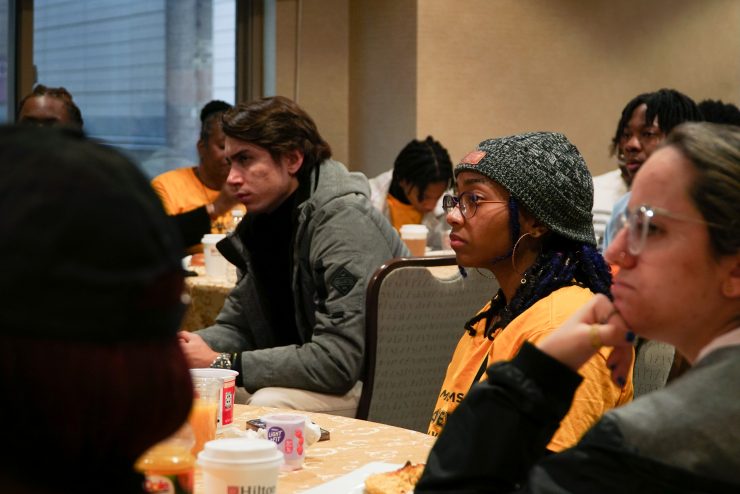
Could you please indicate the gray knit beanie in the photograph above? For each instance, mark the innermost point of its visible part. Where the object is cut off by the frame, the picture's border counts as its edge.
(545, 172)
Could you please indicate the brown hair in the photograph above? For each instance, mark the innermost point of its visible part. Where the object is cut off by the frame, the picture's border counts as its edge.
(714, 151)
(59, 93)
(280, 126)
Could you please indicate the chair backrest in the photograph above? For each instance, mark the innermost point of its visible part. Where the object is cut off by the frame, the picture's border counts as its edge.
(416, 310)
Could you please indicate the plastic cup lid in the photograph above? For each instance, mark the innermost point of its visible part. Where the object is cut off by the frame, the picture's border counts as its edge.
(212, 238)
(237, 450)
(414, 229)
(210, 372)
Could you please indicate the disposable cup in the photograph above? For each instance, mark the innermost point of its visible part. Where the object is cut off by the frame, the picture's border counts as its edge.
(216, 264)
(240, 465)
(288, 431)
(415, 238)
(203, 418)
(225, 415)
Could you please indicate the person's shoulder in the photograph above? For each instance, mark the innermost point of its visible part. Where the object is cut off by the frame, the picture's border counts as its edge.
(178, 174)
(338, 187)
(608, 188)
(551, 311)
(566, 298)
(608, 178)
(383, 180)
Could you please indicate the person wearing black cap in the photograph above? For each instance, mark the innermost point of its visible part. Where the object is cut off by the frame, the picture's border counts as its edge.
(294, 325)
(91, 372)
(679, 282)
(523, 212)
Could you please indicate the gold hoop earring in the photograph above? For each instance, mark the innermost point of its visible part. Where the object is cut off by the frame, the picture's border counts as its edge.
(513, 253)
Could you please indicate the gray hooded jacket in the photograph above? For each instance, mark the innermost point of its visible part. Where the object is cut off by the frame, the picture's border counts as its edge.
(341, 239)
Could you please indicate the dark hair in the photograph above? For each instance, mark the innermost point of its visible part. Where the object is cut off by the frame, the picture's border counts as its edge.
(420, 163)
(107, 405)
(714, 152)
(670, 106)
(211, 112)
(280, 126)
(59, 93)
(562, 262)
(717, 111)
(111, 281)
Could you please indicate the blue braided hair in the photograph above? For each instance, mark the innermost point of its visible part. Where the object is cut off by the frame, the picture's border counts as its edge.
(562, 262)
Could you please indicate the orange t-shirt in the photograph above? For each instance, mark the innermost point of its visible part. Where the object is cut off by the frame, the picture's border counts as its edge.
(402, 214)
(596, 394)
(181, 191)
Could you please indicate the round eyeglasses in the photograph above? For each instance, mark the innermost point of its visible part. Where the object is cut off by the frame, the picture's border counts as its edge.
(639, 225)
(467, 202)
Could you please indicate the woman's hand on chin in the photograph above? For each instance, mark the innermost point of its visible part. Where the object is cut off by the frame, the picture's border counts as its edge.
(594, 325)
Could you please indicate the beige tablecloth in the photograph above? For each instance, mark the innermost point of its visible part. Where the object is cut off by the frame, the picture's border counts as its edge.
(352, 444)
(207, 296)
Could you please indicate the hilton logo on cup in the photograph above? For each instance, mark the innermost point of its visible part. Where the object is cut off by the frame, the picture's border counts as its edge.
(252, 489)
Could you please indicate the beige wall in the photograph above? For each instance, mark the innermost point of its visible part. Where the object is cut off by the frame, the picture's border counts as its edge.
(318, 77)
(383, 82)
(376, 73)
(507, 66)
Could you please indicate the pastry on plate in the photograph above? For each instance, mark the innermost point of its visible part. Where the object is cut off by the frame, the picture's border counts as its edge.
(400, 481)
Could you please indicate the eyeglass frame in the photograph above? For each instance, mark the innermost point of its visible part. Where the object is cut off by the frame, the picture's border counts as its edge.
(449, 202)
(649, 212)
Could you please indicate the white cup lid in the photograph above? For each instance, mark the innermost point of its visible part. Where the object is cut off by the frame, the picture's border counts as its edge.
(212, 238)
(211, 372)
(237, 450)
(421, 229)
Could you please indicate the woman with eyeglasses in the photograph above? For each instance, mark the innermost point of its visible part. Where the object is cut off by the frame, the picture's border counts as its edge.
(679, 282)
(523, 212)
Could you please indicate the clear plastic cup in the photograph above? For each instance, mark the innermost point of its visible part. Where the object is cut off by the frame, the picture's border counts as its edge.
(225, 415)
(239, 465)
(203, 416)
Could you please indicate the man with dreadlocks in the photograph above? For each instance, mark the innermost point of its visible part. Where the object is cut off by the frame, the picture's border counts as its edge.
(523, 212)
(645, 122)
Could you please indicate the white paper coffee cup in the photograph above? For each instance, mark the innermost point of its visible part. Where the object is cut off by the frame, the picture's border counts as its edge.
(240, 465)
(216, 264)
(226, 396)
(415, 238)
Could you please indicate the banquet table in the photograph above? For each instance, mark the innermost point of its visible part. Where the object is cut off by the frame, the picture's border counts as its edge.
(207, 295)
(352, 444)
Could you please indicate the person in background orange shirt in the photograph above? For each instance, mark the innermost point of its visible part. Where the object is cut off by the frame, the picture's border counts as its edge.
(411, 193)
(523, 212)
(204, 185)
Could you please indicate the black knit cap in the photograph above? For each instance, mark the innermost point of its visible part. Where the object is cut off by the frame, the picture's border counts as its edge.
(86, 250)
(545, 172)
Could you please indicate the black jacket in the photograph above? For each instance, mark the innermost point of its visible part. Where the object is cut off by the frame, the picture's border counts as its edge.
(496, 439)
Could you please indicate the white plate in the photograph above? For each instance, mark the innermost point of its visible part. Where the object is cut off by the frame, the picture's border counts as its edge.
(354, 481)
